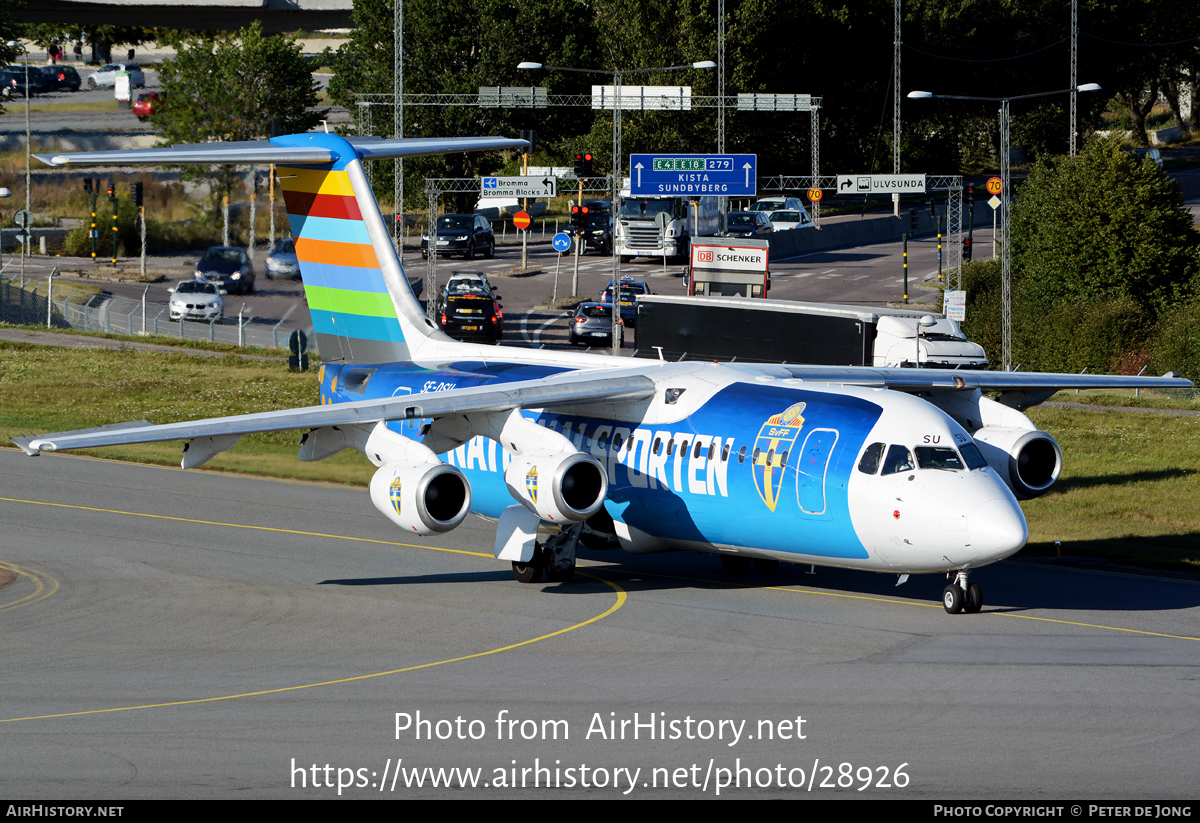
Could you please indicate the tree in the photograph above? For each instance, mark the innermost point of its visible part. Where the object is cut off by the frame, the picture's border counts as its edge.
(1103, 225)
(235, 87)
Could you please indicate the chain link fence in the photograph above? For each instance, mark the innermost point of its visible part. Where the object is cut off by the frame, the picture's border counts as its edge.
(38, 300)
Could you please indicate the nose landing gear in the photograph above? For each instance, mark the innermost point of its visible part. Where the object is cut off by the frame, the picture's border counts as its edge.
(961, 597)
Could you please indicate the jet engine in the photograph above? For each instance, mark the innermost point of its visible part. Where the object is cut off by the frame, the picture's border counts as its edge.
(562, 487)
(425, 498)
(1028, 460)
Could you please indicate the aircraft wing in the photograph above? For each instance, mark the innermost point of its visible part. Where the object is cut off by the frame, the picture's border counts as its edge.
(929, 379)
(266, 151)
(556, 390)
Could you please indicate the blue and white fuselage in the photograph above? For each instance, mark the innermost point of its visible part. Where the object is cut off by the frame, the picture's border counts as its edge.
(684, 474)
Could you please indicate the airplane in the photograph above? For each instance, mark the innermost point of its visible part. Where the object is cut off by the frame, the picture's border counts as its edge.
(901, 471)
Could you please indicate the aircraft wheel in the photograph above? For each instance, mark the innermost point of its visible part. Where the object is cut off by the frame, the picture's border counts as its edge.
(527, 572)
(952, 598)
(765, 565)
(735, 563)
(974, 599)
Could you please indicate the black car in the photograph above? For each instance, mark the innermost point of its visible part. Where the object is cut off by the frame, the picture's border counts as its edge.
(228, 267)
(473, 315)
(12, 82)
(465, 234)
(598, 233)
(61, 78)
(748, 224)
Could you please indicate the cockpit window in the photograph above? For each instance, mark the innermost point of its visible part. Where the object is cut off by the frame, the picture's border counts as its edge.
(970, 453)
(938, 457)
(869, 464)
(898, 459)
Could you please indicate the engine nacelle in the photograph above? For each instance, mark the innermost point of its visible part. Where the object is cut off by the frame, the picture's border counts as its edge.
(562, 487)
(424, 498)
(1028, 460)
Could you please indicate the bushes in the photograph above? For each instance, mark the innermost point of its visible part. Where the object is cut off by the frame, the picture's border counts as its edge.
(195, 233)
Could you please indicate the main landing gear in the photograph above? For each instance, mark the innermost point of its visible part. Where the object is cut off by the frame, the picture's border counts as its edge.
(555, 558)
(961, 597)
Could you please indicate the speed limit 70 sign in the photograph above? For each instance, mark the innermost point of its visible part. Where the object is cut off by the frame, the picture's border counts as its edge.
(994, 186)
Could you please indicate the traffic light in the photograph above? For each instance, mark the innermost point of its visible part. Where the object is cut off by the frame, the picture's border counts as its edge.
(932, 209)
(971, 192)
(112, 189)
(87, 185)
(587, 164)
(531, 136)
(579, 164)
(136, 190)
(966, 248)
(579, 216)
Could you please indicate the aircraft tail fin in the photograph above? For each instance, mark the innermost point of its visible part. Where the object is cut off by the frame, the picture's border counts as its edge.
(363, 309)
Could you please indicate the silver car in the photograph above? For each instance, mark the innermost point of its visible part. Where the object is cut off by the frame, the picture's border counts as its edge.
(591, 324)
(106, 76)
(195, 300)
(282, 261)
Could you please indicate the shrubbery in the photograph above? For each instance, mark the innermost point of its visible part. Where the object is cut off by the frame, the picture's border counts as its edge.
(1106, 264)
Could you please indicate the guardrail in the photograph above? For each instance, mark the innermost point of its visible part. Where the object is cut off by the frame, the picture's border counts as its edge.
(40, 301)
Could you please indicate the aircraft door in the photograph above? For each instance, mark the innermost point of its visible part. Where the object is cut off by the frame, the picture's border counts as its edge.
(811, 467)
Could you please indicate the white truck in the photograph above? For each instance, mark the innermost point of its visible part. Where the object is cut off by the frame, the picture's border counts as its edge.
(638, 234)
(793, 332)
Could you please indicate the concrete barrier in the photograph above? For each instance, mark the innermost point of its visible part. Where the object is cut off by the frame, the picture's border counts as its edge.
(865, 232)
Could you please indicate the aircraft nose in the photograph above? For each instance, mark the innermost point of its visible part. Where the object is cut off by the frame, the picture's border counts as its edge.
(998, 528)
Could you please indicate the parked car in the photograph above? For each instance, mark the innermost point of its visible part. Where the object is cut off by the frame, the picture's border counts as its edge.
(228, 267)
(147, 104)
(790, 219)
(194, 300)
(472, 315)
(61, 78)
(592, 323)
(747, 224)
(106, 76)
(12, 82)
(465, 234)
(282, 261)
(630, 290)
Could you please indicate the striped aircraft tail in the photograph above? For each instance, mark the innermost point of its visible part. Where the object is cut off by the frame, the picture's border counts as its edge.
(363, 309)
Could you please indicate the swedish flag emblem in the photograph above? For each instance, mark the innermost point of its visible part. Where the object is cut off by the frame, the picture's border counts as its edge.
(531, 484)
(395, 494)
(772, 449)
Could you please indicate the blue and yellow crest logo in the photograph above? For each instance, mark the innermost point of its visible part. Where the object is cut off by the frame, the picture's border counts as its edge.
(394, 491)
(771, 449)
(531, 484)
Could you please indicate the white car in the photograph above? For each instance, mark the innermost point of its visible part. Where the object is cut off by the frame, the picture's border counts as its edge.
(194, 300)
(106, 76)
(790, 219)
(770, 204)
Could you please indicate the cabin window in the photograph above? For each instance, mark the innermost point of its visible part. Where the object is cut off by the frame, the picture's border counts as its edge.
(742, 454)
(617, 442)
(696, 451)
(970, 453)
(658, 445)
(869, 464)
(938, 457)
(712, 450)
(899, 459)
(725, 453)
(670, 447)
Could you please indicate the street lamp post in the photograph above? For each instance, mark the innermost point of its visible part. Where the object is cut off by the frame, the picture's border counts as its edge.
(617, 166)
(28, 200)
(1005, 197)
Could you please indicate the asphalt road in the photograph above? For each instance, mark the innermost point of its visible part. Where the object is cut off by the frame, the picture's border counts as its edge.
(178, 634)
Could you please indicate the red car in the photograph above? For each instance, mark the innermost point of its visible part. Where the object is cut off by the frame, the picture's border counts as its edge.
(147, 104)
